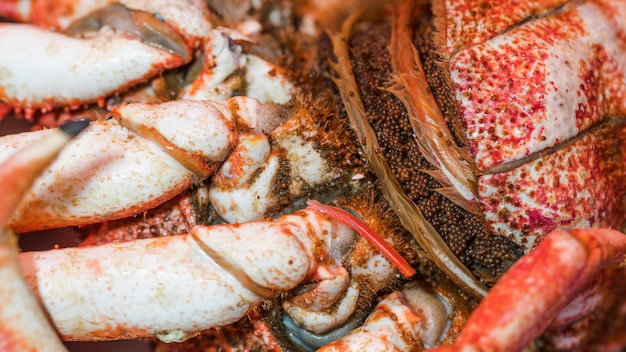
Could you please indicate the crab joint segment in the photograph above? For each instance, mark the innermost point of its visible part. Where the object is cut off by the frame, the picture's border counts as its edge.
(405, 320)
(168, 286)
(321, 321)
(111, 172)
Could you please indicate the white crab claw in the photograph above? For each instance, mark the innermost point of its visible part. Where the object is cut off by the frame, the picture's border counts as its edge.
(320, 321)
(111, 172)
(243, 188)
(168, 286)
(53, 69)
(251, 195)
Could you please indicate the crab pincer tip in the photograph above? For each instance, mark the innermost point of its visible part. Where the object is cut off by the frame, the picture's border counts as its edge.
(73, 128)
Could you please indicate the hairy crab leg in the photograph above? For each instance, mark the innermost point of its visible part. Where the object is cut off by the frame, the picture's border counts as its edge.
(104, 172)
(218, 70)
(23, 325)
(168, 286)
(245, 188)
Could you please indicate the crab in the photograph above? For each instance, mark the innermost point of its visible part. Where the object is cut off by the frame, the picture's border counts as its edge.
(479, 133)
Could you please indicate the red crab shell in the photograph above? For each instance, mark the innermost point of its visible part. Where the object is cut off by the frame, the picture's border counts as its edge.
(538, 95)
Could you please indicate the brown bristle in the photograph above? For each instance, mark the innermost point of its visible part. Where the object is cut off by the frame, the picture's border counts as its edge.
(333, 137)
(174, 217)
(315, 120)
(377, 214)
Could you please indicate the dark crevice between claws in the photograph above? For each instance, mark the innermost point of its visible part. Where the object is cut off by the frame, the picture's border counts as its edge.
(150, 28)
(309, 341)
(73, 128)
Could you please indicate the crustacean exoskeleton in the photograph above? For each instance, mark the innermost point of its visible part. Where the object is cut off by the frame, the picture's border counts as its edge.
(306, 245)
(485, 128)
(153, 152)
(118, 46)
(133, 166)
(504, 89)
(507, 319)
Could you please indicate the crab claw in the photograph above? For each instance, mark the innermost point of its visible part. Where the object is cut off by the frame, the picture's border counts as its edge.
(54, 70)
(148, 27)
(529, 297)
(143, 157)
(23, 324)
(176, 286)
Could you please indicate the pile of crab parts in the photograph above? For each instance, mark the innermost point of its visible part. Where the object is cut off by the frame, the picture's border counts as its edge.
(302, 175)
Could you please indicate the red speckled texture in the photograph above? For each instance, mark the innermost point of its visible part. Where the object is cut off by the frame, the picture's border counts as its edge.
(528, 297)
(540, 84)
(470, 22)
(577, 186)
(540, 295)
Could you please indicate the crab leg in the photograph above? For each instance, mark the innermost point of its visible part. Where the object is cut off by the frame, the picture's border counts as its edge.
(179, 29)
(168, 286)
(517, 309)
(526, 300)
(407, 320)
(125, 43)
(104, 172)
(244, 188)
(23, 325)
(218, 77)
